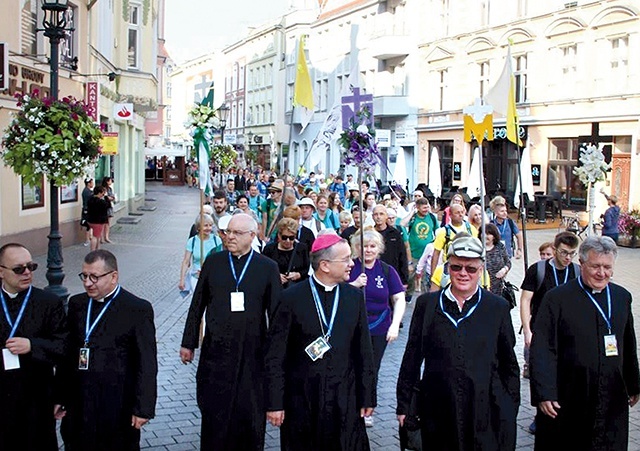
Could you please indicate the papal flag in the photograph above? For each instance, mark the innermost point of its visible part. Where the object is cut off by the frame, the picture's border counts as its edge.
(303, 89)
(502, 97)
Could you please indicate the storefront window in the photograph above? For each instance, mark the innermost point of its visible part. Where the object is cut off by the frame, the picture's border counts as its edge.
(561, 183)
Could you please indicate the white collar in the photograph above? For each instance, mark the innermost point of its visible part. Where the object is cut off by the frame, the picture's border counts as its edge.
(11, 295)
(113, 291)
(449, 294)
(325, 286)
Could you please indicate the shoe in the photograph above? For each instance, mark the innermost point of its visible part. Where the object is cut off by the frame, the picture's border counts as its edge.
(108, 241)
(532, 427)
(86, 243)
(525, 371)
(368, 422)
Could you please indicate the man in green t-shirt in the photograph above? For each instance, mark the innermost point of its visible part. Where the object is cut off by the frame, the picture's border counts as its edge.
(421, 225)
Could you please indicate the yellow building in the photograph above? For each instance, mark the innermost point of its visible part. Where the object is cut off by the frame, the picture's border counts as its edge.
(112, 51)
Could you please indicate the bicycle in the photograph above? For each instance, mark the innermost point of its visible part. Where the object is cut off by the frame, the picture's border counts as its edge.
(576, 224)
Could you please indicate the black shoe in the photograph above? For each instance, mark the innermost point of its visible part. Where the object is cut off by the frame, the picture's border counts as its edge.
(401, 324)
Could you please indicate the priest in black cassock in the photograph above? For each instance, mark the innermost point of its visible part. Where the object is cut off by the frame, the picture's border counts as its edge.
(108, 385)
(469, 393)
(32, 333)
(584, 363)
(238, 289)
(320, 373)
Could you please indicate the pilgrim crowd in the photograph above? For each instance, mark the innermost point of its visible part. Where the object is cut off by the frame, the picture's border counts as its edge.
(296, 288)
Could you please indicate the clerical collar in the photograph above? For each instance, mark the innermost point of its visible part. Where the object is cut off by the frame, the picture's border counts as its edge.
(11, 295)
(239, 257)
(107, 296)
(591, 290)
(325, 286)
(449, 294)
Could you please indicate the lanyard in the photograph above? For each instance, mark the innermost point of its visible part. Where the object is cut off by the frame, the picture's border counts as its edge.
(606, 319)
(501, 229)
(14, 326)
(555, 274)
(88, 328)
(455, 322)
(244, 270)
(320, 310)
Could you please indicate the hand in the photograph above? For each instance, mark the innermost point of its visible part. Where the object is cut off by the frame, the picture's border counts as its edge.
(401, 419)
(18, 346)
(518, 254)
(283, 279)
(633, 400)
(361, 281)
(181, 285)
(138, 422)
(293, 276)
(528, 335)
(197, 274)
(392, 333)
(549, 408)
(503, 272)
(366, 411)
(276, 418)
(59, 412)
(186, 355)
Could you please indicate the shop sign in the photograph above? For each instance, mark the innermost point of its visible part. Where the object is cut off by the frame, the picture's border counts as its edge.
(109, 143)
(24, 80)
(383, 137)
(91, 99)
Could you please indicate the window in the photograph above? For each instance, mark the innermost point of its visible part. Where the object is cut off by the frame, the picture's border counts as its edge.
(270, 113)
(68, 44)
(522, 8)
(28, 26)
(168, 90)
(620, 53)
(561, 182)
(569, 60)
(442, 85)
(133, 44)
(520, 75)
(168, 112)
(445, 152)
(483, 76)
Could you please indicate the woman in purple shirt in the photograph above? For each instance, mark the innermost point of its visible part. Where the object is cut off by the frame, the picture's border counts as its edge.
(384, 294)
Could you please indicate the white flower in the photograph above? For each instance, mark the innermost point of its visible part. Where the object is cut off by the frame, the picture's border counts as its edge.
(362, 129)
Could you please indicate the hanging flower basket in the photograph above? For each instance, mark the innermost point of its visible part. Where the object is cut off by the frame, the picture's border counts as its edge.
(358, 142)
(56, 139)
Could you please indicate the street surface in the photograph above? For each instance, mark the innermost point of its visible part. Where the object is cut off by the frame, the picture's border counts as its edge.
(149, 256)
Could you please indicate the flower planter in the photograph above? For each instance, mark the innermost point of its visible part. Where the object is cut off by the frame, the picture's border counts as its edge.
(629, 241)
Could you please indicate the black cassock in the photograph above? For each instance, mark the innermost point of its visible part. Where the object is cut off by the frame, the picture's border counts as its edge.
(230, 375)
(121, 379)
(470, 386)
(26, 394)
(569, 365)
(321, 399)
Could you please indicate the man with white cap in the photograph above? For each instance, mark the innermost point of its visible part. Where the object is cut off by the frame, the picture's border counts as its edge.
(320, 370)
(469, 392)
(307, 208)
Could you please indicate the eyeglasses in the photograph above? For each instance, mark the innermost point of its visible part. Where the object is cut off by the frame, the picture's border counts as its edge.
(469, 269)
(235, 232)
(342, 260)
(564, 253)
(31, 266)
(92, 277)
(288, 238)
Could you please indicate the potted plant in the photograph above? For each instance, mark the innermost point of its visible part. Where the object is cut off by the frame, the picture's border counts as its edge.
(54, 138)
(629, 226)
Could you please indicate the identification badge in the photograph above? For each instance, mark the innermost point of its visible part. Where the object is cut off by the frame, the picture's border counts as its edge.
(11, 361)
(83, 359)
(237, 301)
(610, 346)
(317, 348)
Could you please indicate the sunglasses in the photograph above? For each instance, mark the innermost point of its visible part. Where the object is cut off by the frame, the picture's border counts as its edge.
(288, 238)
(469, 269)
(31, 266)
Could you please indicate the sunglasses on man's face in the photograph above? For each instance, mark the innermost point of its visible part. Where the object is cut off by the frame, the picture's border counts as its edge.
(287, 237)
(469, 269)
(31, 266)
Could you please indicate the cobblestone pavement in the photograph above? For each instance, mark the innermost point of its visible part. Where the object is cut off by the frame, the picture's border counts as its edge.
(149, 256)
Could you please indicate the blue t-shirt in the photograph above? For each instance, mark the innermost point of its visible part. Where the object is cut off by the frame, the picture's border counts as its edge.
(378, 292)
(213, 244)
(330, 220)
(506, 233)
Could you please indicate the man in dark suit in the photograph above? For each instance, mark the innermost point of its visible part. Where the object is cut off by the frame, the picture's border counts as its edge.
(108, 382)
(32, 333)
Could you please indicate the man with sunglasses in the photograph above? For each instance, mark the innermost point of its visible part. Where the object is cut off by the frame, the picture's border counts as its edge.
(32, 334)
(107, 383)
(236, 292)
(469, 392)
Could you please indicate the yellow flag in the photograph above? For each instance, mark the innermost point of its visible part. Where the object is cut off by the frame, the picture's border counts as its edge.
(303, 90)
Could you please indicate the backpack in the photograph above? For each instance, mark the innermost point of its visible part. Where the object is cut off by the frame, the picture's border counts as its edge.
(540, 269)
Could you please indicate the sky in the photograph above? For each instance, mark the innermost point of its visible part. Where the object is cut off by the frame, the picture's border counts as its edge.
(194, 27)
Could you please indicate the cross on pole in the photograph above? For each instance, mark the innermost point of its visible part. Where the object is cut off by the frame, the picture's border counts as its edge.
(358, 101)
(594, 139)
(200, 90)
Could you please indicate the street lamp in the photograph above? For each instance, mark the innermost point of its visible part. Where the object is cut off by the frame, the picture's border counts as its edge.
(54, 24)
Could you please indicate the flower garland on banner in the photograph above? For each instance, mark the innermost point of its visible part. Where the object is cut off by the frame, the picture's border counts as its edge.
(358, 142)
(594, 168)
(224, 155)
(203, 116)
(54, 138)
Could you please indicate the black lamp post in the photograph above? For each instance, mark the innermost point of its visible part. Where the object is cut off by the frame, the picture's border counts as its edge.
(54, 23)
(223, 113)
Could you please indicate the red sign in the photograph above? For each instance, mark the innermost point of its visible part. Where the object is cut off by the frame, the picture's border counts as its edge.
(123, 111)
(92, 97)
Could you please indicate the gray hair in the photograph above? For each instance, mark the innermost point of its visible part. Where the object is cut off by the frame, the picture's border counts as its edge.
(370, 235)
(599, 245)
(324, 254)
(205, 219)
